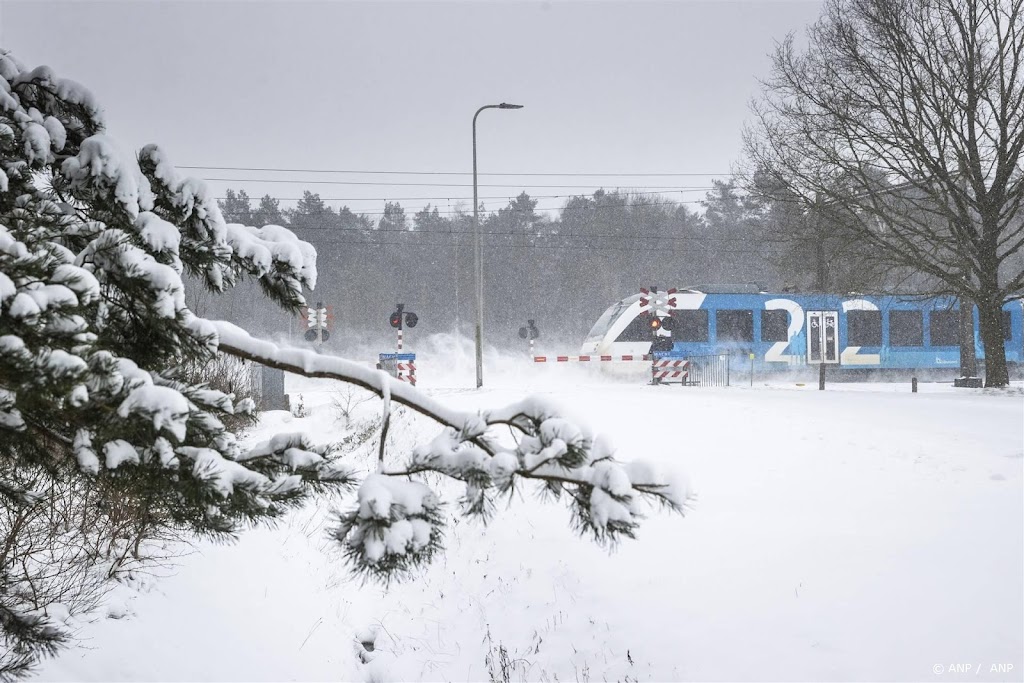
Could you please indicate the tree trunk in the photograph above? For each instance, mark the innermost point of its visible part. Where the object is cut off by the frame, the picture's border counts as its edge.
(990, 313)
(968, 358)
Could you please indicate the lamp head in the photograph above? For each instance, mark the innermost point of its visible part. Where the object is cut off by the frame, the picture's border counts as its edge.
(506, 105)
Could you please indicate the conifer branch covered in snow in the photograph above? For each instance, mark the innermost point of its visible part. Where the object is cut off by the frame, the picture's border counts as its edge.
(397, 525)
(96, 409)
(94, 336)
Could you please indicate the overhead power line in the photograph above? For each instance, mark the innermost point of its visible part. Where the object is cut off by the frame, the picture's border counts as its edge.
(456, 173)
(386, 184)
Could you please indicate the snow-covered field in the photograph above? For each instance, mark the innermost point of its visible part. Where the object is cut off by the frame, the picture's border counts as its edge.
(861, 533)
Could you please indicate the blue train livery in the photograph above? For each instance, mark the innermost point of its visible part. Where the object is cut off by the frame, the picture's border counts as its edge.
(786, 330)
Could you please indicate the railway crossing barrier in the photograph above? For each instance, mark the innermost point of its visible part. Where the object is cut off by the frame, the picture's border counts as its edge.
(695, 371)
(401, 366)
(668, 371)
(590, 359)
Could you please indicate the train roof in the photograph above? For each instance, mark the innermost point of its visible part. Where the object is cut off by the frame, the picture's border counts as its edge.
(742, 288)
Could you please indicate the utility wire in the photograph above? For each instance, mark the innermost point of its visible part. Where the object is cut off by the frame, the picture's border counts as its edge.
(386, 184)
(456, 173)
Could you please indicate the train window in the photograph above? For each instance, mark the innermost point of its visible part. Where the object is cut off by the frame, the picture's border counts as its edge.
(735, 325)
(944, 328)
(906, 328)
(691, 326)
(604, 323)
(1007, 329)
(637, 330)
(864, 328)
(774, 326)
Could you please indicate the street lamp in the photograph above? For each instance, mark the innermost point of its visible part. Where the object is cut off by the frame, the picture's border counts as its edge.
(478, 261)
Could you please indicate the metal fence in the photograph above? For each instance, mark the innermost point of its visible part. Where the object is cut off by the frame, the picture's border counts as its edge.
(708, 371)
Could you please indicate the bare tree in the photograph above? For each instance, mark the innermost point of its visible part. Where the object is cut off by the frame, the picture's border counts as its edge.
(905, 118)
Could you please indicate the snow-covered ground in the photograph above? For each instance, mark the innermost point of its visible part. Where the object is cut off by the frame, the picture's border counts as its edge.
(861, 533)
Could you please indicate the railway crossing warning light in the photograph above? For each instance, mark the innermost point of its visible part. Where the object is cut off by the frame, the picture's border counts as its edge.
(530, 331)
(402, 318)
(661, 333)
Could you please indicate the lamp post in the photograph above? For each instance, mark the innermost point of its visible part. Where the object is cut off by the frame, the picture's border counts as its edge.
(478, 261)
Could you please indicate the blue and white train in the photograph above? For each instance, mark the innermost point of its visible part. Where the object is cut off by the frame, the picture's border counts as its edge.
(863, 332)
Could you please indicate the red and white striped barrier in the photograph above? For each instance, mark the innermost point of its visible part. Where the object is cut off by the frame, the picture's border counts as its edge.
(401, 366)
(670, 370)
(407, 372)
(588, 359)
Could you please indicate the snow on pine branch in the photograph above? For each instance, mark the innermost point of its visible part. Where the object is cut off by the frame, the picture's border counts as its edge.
(397, 524)
(94, 244)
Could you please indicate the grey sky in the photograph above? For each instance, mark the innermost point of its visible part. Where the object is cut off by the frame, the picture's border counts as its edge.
(624, 87)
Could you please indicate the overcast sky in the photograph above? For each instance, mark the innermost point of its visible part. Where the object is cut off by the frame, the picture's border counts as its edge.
(607, 87)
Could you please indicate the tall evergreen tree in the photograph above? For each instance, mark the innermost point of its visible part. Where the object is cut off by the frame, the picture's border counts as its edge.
(733, 240)
(353, 221)
(519, 216)
(235, 207)
(268, 212)
(311, 212)
(430, 219)
(393, 218)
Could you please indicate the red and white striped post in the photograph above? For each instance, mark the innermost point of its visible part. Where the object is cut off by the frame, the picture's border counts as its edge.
(407, 372)
(659, 305)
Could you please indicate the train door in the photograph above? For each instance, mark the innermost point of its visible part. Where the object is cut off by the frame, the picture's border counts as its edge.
(823, 337)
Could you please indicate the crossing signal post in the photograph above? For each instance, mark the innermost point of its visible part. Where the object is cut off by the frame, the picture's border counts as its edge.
(400, 365)
(659, 306)
(400, 319)
(318, 321)
(529, 332)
